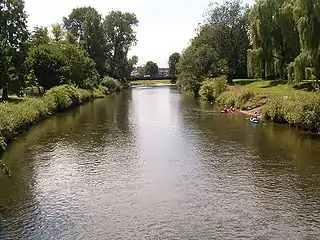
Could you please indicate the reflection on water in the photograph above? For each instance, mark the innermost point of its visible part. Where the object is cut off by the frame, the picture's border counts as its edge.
(150, 163)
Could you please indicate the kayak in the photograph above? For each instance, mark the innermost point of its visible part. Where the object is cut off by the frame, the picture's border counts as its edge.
(229, 110)
(254, 120)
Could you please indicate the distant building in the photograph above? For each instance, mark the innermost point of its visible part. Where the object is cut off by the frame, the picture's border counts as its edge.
(163, 72)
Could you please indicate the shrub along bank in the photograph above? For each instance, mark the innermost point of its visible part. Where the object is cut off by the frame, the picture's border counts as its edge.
(17, 117)
(297, 108)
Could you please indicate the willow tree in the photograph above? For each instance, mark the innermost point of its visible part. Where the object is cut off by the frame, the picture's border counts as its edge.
(307, 18)
(274, 36)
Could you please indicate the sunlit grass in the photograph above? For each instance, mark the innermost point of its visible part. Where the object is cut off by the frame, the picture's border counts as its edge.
(274, 87)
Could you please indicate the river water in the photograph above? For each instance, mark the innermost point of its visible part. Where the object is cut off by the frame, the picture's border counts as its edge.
(151, 163)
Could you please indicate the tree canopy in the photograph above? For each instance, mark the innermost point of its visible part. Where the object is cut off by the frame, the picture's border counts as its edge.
(285, 43)
(151, 68)
(120, 37)
(81, 50)
(220, 46)
(173, 63)
(13, 44)
(86, 24)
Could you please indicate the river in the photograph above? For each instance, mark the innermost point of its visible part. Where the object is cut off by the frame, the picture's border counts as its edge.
(151, 163)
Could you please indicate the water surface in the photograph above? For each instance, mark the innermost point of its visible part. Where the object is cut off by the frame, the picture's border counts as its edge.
(150, 163)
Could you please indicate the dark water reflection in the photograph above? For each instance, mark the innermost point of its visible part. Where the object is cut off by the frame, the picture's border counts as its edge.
(150, 163)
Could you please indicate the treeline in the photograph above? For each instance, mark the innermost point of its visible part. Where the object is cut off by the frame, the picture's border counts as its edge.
(275, 39)
(81, 50)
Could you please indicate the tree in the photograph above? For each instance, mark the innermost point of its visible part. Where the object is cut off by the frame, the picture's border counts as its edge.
(85, 23)
(39, 36)
(83, 73)
(132, 62)
(173, 61)
(285, 43)
(58, 32)
(13, 38)
(275, 39)
(230, 19)
(49, 65)
(307, 18)
(120, 37)
(219, 48)
(151, 68)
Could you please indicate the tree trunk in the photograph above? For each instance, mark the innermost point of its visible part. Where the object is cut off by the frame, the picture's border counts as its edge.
(39, 89)
(5, 94)
(230, 78)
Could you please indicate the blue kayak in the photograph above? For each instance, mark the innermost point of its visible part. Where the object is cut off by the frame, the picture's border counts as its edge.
(254, 120)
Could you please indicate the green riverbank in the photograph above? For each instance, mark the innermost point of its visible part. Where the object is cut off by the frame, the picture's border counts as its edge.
(276, 101)
(18, 116)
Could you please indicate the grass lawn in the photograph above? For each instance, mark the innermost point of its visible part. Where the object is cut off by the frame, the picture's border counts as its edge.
(150, 82)
(273, 87)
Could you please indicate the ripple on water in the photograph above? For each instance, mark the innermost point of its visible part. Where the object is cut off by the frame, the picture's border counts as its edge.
(145, 165)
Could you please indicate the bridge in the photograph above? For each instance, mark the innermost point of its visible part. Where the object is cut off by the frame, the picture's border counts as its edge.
(168, 77)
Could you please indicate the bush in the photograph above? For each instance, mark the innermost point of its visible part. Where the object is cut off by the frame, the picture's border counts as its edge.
(111, 84)
(189, 84)
(298, 109)
(239, 97)
(212, 88)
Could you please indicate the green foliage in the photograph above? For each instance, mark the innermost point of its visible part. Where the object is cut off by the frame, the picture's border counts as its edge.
(3, 144)
(119, 37)
(173, 63)
(151, 68)
(220, 46)
(58, 32)
(111, 84)
(40, 36)
(285, 40)
(85, 23)
(239, 97)
(16, 117)
(50, 65)
(82, 68)
(212, 88)
(13, 38)
(298, 109)
(189, 83)
(57, 64)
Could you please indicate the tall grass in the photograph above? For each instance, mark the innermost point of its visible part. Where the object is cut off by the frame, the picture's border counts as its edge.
(17, 117)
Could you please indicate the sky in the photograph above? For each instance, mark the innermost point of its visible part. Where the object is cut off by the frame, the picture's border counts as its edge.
(165, 26)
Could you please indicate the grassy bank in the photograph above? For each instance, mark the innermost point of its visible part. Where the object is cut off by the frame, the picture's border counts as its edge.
(16, 117)
(150, 82)
(297, 105)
